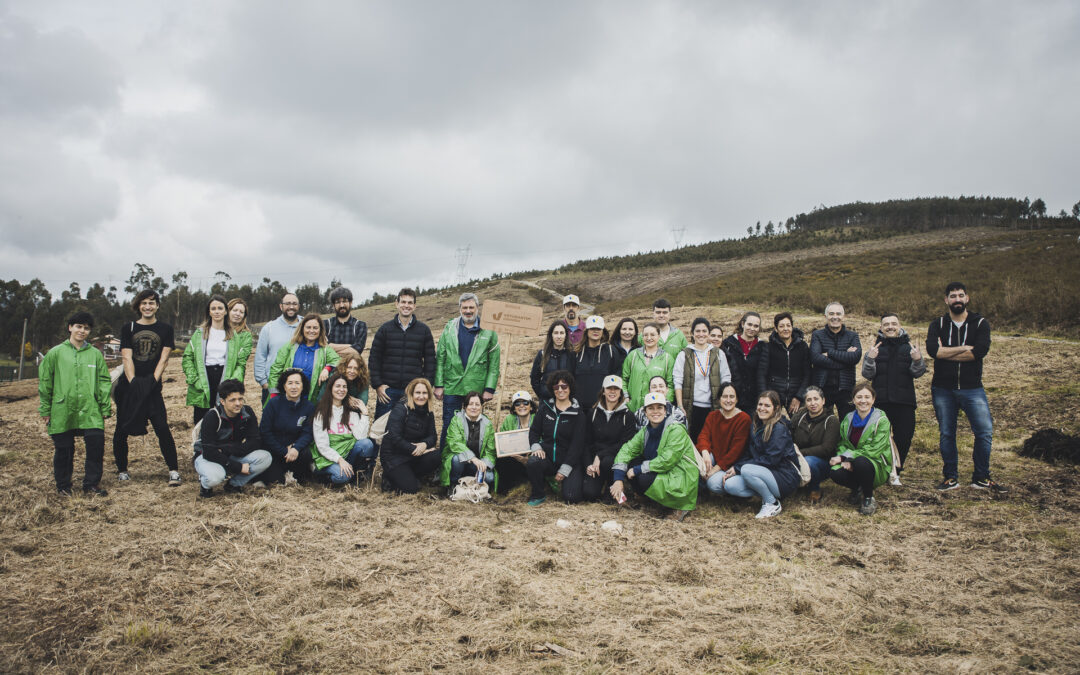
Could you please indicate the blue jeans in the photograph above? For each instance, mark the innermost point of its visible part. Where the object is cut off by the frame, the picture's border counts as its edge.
(450, 405)
(359, 458)
(383, 408)
(753, 480)
(465, 468)
(212, 474)
(947, 403)
(819, 471)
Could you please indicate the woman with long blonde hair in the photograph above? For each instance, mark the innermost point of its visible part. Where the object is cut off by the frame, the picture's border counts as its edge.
(769, 467)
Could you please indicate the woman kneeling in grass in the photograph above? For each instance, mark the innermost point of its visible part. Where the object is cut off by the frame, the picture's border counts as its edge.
(470, 444)
(659, 462)
(864, 456)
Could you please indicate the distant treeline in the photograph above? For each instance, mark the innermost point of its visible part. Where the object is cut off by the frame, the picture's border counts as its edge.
(845, 223)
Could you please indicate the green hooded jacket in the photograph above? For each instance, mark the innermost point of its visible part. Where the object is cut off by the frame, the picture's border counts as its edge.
(324, 356)
(198, 386)
(483, 369)
(636, 374)
(675, 466)
(873, 444)
(675, 343)
(74, 388)
(456, 439)
(243, 353)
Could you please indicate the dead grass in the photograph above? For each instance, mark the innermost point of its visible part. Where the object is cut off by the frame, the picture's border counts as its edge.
(308, 580)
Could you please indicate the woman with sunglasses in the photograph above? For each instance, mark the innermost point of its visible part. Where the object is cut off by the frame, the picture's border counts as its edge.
(511, 469)
(557, 438)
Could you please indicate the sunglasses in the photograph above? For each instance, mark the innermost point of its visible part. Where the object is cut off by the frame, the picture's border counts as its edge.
(560, 387)
(517, 403)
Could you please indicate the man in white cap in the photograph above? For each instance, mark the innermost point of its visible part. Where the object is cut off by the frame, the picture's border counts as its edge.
(594, 360)
(575, 327)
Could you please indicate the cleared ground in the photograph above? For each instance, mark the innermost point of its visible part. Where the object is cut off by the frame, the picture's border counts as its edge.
(308, 579)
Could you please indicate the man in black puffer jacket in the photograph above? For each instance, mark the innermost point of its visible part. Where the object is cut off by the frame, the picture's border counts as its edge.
(401, 351)
(892, 365)
(834, 351)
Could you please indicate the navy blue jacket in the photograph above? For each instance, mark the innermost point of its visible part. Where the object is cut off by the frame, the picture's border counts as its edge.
(285, 423)
(833, 363)
(776, 454)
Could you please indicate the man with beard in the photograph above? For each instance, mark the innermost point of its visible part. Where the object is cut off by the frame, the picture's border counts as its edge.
(466, 359)
(346, 333)
(958, 342)
(575, 327)
(834, 351)
(892, 365)
(743, 350)
(272, 337)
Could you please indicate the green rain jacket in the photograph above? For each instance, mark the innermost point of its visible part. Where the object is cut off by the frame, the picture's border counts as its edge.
(873, 444)
(675, 466)
(457, 436)
(636, 374)
(198, 386)
(482, 371)
(74, 388)
(324, 356)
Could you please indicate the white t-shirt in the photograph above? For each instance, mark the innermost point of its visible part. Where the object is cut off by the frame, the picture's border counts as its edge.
(216, 348)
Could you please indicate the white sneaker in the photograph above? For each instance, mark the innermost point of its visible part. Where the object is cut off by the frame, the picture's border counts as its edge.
(258, 484)
(290, 479)
(894, 479)
(174, 478)
(769, 510)
(123, 476)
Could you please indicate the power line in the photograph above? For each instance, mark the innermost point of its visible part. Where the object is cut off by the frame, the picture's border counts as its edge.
(462, 262)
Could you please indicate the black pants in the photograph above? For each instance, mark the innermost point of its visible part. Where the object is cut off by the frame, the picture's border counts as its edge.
(540, 470)
(64, 457)
(406, 477)
(213, 378)
(696, 421)
(160, 423)
(841, 398)
(592, 488)
(902, 419)
(511, 472)
(861, 476)
(300, 467)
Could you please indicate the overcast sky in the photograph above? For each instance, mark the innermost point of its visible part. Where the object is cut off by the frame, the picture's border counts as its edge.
(369, 140)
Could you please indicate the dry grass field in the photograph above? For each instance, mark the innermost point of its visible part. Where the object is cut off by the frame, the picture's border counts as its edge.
(308, 579)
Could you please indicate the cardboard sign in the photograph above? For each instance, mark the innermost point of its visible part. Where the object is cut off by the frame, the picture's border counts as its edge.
(510, 318)
(515, 442)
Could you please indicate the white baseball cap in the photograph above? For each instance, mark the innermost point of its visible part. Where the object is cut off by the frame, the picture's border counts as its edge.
(571, 298)
(520, 396)
(594, 321)
(652, 398)
(613, 381)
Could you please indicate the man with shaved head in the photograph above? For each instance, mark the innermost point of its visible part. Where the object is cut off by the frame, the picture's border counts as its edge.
(834, 351)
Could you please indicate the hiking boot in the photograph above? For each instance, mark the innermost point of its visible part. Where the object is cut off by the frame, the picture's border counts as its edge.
(815, 497)
(769, 510)
(63, 492)
(231, 489)
(206, 493)
(123, 477)
(869, 506)
(174, 478)
(948, 484)
(537, 501)
(678, 515)
(855, 498)
(95, 491)
(987, 484)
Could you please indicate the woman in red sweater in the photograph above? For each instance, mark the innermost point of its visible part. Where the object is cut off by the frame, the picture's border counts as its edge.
(723, 438)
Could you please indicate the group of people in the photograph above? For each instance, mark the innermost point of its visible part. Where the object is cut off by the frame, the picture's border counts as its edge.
(633, 410)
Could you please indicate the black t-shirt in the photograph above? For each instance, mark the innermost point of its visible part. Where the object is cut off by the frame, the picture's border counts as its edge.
(146, 343)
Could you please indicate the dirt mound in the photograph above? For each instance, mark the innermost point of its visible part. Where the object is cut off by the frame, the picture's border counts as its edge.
(1050, 445)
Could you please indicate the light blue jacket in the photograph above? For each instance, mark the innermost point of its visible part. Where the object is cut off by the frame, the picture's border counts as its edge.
(271, 338)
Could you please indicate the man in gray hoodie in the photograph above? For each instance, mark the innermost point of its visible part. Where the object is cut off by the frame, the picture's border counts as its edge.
(271, 338)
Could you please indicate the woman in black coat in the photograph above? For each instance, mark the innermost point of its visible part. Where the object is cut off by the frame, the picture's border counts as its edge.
(784, 365)
(611, 425)
(409, 450)
(555, 355)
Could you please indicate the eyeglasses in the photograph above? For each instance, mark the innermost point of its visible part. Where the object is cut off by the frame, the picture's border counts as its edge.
(518, 404)
(560, 387)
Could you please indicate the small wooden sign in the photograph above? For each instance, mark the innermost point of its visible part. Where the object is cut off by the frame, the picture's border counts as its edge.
(510, 443)
(511, 318)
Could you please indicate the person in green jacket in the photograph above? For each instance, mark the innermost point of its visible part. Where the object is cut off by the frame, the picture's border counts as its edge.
(74, 383)
(308, 350)
(466, 359)
(644, 363)
(863, 458)
(470, 444)
(238, 320)
(511, 469)
(671, 338)
(659, 462)
(210, 358)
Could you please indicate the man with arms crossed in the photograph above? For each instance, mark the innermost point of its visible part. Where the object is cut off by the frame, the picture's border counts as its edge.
(958, 342)
(401, 351)
(834, 351)
(272, 337)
